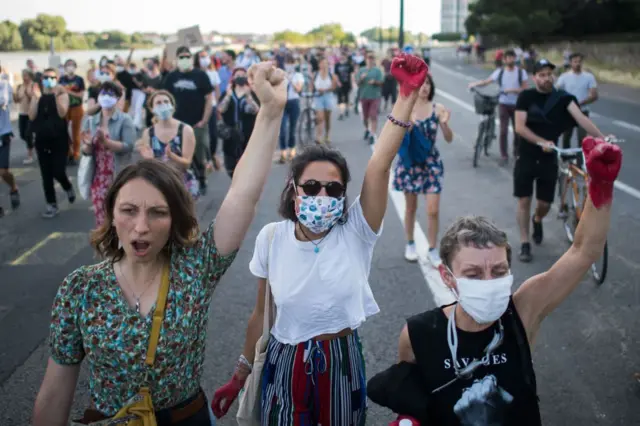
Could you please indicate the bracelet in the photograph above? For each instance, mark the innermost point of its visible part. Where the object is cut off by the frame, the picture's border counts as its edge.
(244, 361)
(405, 124)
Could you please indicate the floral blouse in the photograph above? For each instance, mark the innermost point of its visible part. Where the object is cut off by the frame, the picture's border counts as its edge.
(92, 319)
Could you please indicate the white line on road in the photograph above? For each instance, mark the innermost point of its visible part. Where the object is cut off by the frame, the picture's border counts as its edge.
(626, 125)
(620, 185)
(449, 70)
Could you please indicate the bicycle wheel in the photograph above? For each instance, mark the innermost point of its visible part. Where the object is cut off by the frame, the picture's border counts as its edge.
(599, 268)
(306, 128)
(571, 217)
(490, 134)
(479, 143)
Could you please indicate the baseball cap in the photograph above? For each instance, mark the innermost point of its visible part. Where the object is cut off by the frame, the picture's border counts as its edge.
(543, 63)
(182, 49)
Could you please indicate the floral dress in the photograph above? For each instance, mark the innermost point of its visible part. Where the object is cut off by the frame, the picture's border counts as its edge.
(105, 168)
(158, 147)
(92, 320)
(422, 178)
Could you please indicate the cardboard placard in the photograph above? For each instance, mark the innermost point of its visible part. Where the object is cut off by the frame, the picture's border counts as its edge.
(171, 50)
(191, 36)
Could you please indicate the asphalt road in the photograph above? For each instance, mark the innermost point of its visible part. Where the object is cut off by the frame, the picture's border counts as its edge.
(585, 357)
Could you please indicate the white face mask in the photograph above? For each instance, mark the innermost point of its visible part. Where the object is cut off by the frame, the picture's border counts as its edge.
(205, 61)
(484, 300)
(107, 101)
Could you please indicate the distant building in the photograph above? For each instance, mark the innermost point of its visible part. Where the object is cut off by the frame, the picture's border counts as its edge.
(453, 13)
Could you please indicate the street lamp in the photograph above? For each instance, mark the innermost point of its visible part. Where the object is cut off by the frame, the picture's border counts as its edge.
(401, 35)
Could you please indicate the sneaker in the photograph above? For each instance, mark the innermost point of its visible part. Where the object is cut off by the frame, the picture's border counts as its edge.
(525, 253)
(71, 195)
(15, 199)
(537, 231)
(366, 135)
(372, 139)
(410, 253)
(27, 161)
(50, 212)
(434, 257)
(563, 213)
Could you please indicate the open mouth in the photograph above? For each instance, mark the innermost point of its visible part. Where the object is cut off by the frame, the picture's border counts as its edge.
(140, 247)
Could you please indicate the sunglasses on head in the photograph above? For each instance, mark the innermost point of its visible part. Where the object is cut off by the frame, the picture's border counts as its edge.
(313, 187)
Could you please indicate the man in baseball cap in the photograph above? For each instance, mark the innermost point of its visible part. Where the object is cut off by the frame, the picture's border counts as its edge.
(542, 64)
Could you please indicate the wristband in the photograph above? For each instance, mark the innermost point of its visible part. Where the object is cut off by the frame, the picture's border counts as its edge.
(405, 124)
(244, 361)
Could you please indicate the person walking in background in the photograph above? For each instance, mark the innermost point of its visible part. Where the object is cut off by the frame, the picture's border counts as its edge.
(324, 84)
(74, 85)
(370, 81)
(291, 112)
(193, 92)
(512, 80)
(582, 85)
(47, 111)
(6, 135)
(203, 61)
(22, 97)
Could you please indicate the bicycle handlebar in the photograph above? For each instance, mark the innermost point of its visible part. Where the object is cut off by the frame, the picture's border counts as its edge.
(571, 151)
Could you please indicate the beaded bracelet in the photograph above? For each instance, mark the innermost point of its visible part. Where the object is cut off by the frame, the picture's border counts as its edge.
(405, 124)
(244, 361)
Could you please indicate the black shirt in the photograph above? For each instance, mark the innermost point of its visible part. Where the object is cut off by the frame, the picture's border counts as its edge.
(49, 128)
(126, 79)
(93, 92)
(548, 127)
(513, 401)
(344, 71)
(189, 89)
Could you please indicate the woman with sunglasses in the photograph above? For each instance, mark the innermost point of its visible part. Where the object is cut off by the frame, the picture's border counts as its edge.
(469, 362)
(318, 265)
(109, 137)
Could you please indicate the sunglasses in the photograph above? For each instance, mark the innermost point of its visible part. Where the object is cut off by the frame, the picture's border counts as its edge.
(184, 57)
(313, 187)
(49, 77)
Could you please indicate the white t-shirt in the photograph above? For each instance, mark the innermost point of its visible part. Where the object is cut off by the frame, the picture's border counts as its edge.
(509, 81)
(318, 293)
(578, 85)
(214, 77)
(295, 78)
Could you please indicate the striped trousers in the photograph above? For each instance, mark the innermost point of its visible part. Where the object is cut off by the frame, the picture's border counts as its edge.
(315, 383)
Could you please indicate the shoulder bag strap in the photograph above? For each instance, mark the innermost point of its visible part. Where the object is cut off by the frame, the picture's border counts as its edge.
(267, 316)
(158, 316)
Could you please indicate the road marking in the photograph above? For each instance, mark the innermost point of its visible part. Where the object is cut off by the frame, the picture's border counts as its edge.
(626, 125)
(449, 70)
(21, 260)
(629, 190)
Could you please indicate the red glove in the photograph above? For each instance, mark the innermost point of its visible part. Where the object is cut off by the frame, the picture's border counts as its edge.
(603, 164)
(224, 397)
(410, 71)
(405, 421)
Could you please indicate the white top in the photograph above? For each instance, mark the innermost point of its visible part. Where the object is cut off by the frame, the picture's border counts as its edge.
(294, 78)
(318, 293)
(578, 85)
(323, 83)
(509, 81)
(214, 77)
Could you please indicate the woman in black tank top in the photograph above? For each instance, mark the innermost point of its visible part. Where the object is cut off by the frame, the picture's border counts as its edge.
(469, 363)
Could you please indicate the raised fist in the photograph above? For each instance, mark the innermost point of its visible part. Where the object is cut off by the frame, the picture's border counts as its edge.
(410, 72)
(270, 85)
(603, 164)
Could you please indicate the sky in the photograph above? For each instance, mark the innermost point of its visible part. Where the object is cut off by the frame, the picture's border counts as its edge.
(237, 16)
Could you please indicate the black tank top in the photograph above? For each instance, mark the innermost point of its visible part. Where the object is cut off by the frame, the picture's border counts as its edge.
(509, 367)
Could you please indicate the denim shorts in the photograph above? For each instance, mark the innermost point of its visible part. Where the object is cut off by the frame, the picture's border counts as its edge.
(325, 102)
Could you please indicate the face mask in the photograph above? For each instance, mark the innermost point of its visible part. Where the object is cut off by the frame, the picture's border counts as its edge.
(184, 63)
(119, 68)
(49, 83)
(248, 53)
(150, 67)
(240, 81)
(290, 68)
(107, 101)
(163, 111)
(205, 61)
(70, 69)
(319, 213)
(102, 77)
(103, 63)
(484, 300)
(132, 71)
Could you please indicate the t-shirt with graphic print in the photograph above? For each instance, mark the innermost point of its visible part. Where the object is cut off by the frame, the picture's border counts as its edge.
(501, 392)
(75, 84)
(189, 90)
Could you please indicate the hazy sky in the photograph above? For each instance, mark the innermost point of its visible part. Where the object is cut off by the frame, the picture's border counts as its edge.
(256, 16)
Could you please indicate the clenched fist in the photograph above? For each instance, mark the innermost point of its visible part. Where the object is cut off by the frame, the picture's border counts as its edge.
(270, 85)
(410, 71)
(603, 164)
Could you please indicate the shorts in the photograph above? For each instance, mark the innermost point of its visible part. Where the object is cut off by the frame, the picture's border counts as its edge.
(370, 108)
(5, 150)
(324, 102)
(343, 93)
(543, 172)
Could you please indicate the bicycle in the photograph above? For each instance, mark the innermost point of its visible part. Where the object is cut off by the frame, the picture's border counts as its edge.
(573, 174)
(486, 106)
(307, 121)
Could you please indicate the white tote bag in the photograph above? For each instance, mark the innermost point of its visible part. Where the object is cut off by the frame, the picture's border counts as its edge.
(86, 172)
(250, 399)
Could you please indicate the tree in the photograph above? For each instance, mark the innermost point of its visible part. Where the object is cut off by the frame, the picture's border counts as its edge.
(523, 21)
(36, 33)
(291, 37)
(113, 40)
(330, 34)
(10, 38)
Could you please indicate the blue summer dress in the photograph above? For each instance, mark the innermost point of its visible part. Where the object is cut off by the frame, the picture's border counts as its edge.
(422, 178)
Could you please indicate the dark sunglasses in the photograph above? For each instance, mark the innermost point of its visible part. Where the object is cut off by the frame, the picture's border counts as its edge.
(184, 57)
(313, 187)
(49, 77)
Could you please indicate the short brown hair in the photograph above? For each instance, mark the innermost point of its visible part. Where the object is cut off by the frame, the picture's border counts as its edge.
(167, 180)
(160, 92)
(472, 231)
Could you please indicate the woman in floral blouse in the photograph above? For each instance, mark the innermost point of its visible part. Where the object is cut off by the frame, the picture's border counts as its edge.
(103, 312)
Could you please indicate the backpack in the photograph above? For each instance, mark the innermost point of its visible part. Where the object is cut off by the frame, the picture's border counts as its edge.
(520, 77)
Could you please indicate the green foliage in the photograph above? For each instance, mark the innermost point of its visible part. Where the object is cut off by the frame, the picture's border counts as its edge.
(10, 38)
(328, 34)
(447, 36)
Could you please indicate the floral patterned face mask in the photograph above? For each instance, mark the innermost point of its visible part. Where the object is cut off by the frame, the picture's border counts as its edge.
(319, 213)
